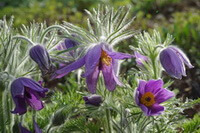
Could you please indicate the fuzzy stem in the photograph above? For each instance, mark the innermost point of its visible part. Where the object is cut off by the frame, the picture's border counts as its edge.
(49, 128)
(33, 117)
(154, 68)
(23, 38)
(108, 118)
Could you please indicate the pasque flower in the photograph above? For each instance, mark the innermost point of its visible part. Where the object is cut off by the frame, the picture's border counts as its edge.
(95, 100)
(139, 58)
(173, 60)
(72, 54)
(98, 58)
(25, 92)
(24, 130)
(40, 55)
(68, 43)
(150, 94)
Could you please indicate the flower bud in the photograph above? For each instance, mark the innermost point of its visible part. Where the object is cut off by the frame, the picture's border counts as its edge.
(40, 55)
(173, 60)
(95, 100)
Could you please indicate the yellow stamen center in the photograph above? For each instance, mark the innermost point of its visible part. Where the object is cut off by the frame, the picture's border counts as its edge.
(105, 58)
(148, 99)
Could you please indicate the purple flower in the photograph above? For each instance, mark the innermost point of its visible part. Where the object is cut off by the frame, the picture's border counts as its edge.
(140, 59)
(72, 54)
(24, 130)
(68, 43)
(40, 55)
(173, 60)
(27, 91)
(99, 58)
(95, 100)
(150, 94)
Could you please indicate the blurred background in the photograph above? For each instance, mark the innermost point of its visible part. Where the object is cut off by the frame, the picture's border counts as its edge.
(180, 18)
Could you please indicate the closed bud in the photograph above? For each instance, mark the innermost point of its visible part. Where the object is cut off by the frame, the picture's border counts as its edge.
(94, 100)
(40, 55)
(173, 61)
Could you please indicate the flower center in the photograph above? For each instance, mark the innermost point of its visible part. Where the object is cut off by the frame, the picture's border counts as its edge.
(105, 58)
(147, 99)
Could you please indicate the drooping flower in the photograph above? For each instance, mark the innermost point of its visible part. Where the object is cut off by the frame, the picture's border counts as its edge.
(140, 59)
(173, 60)
(150, 94)
(40, 55)
(99, 58)
(95, 100)
(25, 130)
(25, 92)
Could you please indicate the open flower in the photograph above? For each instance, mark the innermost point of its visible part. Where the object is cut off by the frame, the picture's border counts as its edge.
(95, 100)
(24, 130)
(173, 60)
(99, 58)
(150, 94)
(40, 55)
(27, 91)
(140, 59)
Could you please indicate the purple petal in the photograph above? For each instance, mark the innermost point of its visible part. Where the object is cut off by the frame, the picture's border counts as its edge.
(36, 127)
(182, 56)
(153, 86)
(117, 79)
(141, 86)
(137, 97)
(144, 109)
(33, 99)
(65, 70)
(69, 43)
(92, 59)
(95, 100)
(118, 55)
(92, 80)
(172, 63)
(33, 85)
(23, 129)
(20, 106)
(116, 66)
(115, 71)
(156, 109)
(109, 77)
(163, 95)
(17, 88)
(140, 58)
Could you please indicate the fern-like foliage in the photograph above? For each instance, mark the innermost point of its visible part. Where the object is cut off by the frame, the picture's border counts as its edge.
(104, 25)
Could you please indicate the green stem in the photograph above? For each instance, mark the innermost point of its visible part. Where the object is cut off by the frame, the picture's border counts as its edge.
(154, 68)
(33, 117)
(108, 118)
(49, 128)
